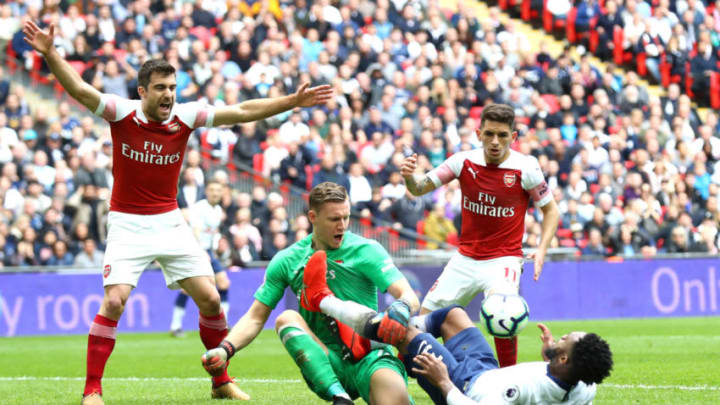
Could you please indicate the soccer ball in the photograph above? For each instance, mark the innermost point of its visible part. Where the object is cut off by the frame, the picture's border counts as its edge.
(504, 315)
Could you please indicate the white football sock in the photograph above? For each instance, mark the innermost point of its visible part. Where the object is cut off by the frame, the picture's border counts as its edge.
(350, 313)
(177, 318)
(419, 322)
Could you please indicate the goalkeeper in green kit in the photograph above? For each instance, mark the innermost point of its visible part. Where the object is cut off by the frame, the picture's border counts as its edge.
(337, 363)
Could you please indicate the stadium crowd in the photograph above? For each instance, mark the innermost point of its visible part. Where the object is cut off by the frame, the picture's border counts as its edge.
(672, 41)
(633, 174)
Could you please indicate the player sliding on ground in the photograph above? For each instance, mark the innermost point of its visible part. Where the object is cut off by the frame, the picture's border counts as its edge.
(144, 225)
(336, 363)
(464, 371)
(497, 184)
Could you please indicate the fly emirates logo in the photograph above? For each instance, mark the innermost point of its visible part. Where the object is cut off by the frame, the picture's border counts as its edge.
(151, 154)
(485, 205)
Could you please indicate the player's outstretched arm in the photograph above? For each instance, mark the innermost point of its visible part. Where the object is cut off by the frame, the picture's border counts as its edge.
(402, 291)
(248, 327)
(241, 335)
(253, 110)
(551, 217)
(418, 184)
(70, 80)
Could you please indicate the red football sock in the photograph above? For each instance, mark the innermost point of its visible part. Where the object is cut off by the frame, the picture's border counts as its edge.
(101, 341)
(506, 351)
(213, 330)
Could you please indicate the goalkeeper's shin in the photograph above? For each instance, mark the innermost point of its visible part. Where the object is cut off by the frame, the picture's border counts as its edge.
(313, 362)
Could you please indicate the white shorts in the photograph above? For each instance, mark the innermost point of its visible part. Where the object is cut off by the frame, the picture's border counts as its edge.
(134, 241)
(464, 278)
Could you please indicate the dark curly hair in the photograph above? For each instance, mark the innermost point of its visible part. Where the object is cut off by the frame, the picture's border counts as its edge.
(591, 359)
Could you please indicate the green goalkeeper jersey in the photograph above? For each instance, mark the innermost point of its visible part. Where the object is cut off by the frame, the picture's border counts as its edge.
(356, 271)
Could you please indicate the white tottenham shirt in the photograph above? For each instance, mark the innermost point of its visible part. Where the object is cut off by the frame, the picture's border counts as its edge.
(207, 219)
(524, 383)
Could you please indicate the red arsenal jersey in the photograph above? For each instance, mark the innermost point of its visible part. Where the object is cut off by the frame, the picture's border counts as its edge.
(147, 155)
(494, 200)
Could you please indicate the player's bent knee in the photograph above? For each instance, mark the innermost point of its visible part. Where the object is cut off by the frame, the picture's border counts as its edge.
(288, 317)
(114, 304)
(208, 304)
(457, 316)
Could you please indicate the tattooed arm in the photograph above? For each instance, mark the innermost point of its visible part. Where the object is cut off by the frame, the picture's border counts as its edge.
(417, 184)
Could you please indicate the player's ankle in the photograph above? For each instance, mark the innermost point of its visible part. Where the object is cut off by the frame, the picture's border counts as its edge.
(221, 380)
(372, 324)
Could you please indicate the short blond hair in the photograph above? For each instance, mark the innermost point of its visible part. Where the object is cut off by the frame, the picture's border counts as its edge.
(326, 192)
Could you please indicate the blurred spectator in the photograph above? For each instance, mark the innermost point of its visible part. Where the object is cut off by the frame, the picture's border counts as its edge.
(680, 242)
(395, 188)
(406, 212)
(594, 245)
(90, 256)
(243, 252)
(438, 226)
(292, 168)
(360, 190)
(330, 171)
(60, 255)
(189, 191)
(91, 210)
(248, 144)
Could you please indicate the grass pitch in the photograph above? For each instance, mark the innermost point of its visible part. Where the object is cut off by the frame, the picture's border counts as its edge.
(657, 361)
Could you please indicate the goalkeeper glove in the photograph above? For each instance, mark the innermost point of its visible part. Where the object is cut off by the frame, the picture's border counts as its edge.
(215, 360)
(393, 323)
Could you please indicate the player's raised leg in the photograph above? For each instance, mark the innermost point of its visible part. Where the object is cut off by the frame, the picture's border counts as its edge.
(213, 329)
(388, 327)
(101, 340)
(311, 356)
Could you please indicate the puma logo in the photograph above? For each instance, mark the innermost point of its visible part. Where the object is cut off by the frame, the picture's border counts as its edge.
(474, 174)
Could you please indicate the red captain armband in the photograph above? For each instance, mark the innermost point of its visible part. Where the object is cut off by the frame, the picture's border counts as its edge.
(540, 191)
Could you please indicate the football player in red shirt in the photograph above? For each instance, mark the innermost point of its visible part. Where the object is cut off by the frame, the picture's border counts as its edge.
(145, 225)
(497, 184)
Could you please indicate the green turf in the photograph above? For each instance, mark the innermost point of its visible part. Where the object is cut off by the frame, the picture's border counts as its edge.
(657, 361)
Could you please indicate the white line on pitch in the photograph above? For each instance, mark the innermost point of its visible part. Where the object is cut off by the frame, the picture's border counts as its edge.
(662, 387)
(151, 379)
(297, 381)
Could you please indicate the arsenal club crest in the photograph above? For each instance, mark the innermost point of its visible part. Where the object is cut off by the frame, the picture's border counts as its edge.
(106, 270)
(509, 179)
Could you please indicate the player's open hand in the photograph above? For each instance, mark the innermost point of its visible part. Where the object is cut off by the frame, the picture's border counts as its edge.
(308, 97)
(538, 257)
(547, 339)
(409, 165)
(40, 40)
(431, 367)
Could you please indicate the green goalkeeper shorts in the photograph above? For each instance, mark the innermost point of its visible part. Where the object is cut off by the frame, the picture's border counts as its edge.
(355, 377)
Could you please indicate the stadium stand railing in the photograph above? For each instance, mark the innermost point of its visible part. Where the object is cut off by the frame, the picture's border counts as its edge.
(406, 247)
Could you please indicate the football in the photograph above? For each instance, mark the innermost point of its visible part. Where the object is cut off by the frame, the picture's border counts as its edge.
(504, 315)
